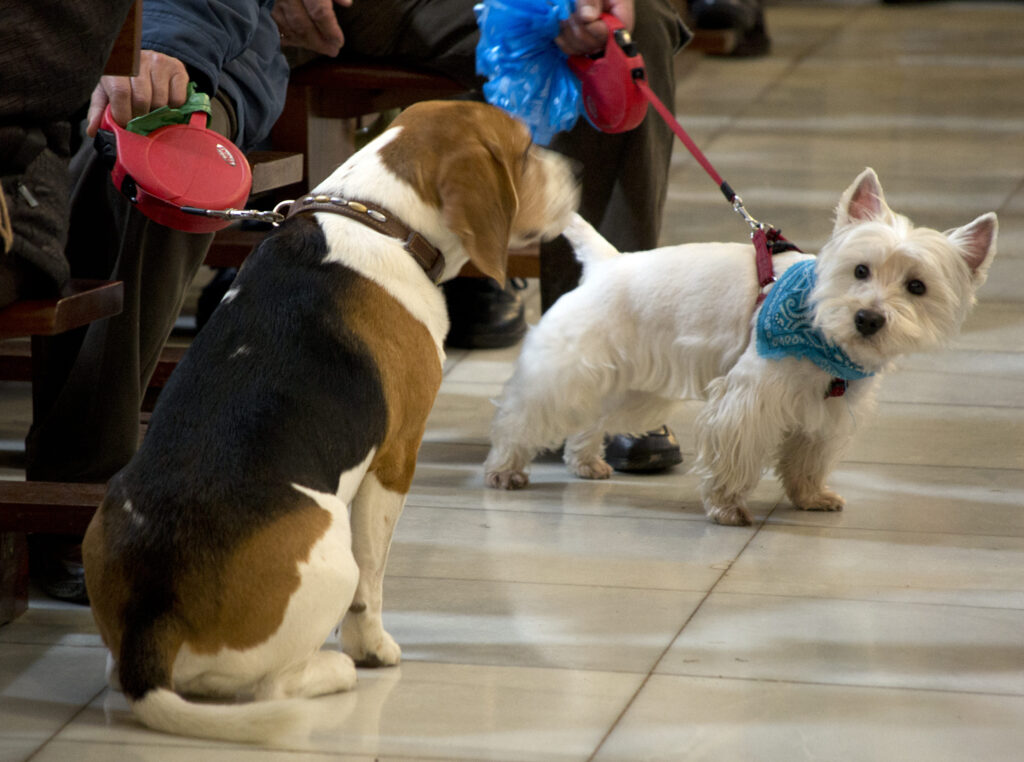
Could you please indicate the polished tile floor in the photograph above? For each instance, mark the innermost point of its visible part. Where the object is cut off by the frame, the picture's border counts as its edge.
(609, 620)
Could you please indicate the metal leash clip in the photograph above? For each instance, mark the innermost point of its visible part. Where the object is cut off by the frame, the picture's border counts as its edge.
(737, 206)
(258, 215)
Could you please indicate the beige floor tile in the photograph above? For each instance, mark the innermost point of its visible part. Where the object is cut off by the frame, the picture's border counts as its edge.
(98, 751)
(985, 437)
(531, 625)
(42, 687)
(901, 498)
(879, 565)
(54, 623)
(813, 640)
(563, 549)
(698, 719)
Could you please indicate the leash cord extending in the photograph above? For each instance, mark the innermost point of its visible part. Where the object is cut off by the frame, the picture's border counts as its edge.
(767, 239)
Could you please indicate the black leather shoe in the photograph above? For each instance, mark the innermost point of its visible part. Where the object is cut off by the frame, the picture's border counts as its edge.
(654, 451)
(745, 17)
(484, 315)
(55, 565)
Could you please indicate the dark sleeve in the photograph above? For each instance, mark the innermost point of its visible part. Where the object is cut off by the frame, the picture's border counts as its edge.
(234, 46)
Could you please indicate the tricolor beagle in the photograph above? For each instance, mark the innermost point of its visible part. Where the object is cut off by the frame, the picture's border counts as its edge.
(223, 557)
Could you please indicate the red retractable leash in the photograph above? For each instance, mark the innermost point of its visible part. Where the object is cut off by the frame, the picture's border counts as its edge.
(184, 176)
(615, 97)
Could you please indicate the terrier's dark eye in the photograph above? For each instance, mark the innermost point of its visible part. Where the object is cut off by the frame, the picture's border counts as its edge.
(916, 287)
(860, 272)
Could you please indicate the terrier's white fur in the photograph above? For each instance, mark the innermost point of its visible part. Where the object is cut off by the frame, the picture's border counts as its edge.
(646, 330)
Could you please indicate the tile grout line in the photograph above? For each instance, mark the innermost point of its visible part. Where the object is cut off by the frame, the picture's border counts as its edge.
(35, 752)
(679, 632)
(1002, 207)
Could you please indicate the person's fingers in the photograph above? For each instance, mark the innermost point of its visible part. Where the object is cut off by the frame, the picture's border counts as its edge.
(168, 79)
(159, 86)
(623, 10)
(321, 12)
(119, 93)
(577, 38)
(97, 105)
(141, 91)
(309, 24)
(293, 22)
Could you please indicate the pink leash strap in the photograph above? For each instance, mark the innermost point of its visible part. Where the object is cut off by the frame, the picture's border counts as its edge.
(767, 239)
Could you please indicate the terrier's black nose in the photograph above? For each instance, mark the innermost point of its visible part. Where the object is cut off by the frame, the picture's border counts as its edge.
(868, 322)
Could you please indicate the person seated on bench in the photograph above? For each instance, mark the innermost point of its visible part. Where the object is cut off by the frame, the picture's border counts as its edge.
(39, 93)
(625, 176)
(87, 427)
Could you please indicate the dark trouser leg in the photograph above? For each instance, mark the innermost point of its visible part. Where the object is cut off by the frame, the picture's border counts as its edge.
(86, 420)
(624, 187)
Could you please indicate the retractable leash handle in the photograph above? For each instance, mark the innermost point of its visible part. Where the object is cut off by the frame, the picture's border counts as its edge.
(183, 176)
(611, 102)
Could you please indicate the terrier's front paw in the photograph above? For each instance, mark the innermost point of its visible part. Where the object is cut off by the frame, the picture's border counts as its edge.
(825, 500)
(506, 479)
(733, 515)
(378, 650)
(592, 469)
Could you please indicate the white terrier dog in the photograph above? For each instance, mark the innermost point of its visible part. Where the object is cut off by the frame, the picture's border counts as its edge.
(645, 330)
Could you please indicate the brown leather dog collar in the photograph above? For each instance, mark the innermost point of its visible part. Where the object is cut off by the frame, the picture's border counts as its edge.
(380, 219)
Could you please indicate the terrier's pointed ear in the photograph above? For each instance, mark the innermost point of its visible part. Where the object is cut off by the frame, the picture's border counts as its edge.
(977, 244)
(863, 200)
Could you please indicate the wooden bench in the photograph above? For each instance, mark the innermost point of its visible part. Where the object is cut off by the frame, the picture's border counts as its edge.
(42, 506)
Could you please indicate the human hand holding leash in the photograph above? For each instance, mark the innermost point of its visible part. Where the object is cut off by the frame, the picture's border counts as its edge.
(584, 32)
(162, 81)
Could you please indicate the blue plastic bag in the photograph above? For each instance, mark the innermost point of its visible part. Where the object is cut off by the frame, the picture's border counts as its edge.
(527, 74)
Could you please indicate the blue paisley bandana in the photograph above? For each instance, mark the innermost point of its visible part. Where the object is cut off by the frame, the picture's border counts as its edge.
(784, 326)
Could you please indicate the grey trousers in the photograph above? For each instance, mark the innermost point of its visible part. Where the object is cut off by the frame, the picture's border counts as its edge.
(86, 404)
(625, 176)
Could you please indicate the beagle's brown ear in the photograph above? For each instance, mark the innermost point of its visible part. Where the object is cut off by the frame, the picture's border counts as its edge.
(479, 202)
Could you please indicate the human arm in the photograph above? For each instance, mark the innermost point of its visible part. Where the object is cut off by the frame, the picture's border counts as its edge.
(584, 32)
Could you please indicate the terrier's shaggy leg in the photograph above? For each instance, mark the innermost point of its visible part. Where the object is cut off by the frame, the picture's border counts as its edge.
(584, 454)
(804, 463)
(506, 465)
(734, 432)
(514, 431)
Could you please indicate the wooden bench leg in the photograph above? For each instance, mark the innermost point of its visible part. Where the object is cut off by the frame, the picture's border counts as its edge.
(13, 575)
(33, 506)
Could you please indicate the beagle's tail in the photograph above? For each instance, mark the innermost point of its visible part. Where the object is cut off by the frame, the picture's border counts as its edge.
(256, 722)
(588, 245)
(144, 674)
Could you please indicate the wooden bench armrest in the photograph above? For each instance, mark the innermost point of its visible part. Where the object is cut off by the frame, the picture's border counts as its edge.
(82, 302)
(274, 169)
(52, 507)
